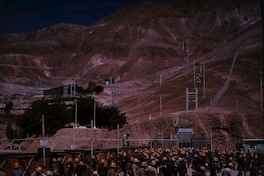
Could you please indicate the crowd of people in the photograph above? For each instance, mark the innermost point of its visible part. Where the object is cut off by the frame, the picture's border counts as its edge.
(159, 162)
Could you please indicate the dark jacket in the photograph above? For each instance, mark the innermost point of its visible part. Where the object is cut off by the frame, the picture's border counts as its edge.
(17, 172)
(111, 172)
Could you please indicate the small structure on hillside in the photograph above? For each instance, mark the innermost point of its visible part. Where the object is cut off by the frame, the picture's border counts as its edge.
(109, 81)
(61, 90)
(184, 136)
(253, 145)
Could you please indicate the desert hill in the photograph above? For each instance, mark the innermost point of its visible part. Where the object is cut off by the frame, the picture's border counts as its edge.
(144, 46)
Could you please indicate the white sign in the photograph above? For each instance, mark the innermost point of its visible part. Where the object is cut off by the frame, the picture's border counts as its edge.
(44, 143)
(73, 147)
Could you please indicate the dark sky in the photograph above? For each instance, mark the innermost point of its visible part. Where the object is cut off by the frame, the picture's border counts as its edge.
(18, 16)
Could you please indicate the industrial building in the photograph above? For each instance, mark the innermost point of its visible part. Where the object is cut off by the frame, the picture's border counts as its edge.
(253, 145)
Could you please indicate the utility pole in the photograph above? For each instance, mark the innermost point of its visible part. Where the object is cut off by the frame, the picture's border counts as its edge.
(43, 138)
(94, 114)
(73, 87)
(203, 80)
(211, 138)
(73, 135)
(37, 84)
(117, 139)
(75, 113)
(92, 138)
(74, 126)
(160, 96)
(237, 105)
(112, 83)
(261, 92)
(187, 55)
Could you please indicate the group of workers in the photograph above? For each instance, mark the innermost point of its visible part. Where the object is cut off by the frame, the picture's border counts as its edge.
(158, 162)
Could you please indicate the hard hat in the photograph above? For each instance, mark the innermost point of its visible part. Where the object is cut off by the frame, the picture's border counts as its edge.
(113, 164)
(81, 163)
(69, 160)
(153, 163)
(54, 160)
(102, 161)
(230, 164)
(136, 160)
(16, 165)
(39, 169)
(59, 159)
(144, 164)
(180, 159)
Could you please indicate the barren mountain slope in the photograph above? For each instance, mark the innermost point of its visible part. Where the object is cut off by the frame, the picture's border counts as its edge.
(142, 42)
(144, 38)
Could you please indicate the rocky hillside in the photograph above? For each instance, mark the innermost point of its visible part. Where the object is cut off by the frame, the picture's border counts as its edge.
(132, 43)
(144, 46)
(222, 128)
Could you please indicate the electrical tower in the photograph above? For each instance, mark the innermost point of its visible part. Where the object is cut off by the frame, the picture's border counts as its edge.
(73, 87)
(37, 84)
(191, 97)
(113, 91)
(199, 75)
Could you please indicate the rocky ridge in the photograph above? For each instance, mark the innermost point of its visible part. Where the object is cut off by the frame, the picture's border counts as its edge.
(137, 45)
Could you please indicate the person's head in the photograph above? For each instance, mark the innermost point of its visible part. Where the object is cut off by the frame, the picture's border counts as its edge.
(180, 159)
(144, 164)
(39, 170)
(230, 158)
(113, 165)
(136, 161)
(69, 160)
(173, 159)
(102, 161)
(203, 169)
(230, 165)
(76, 160)
(59, 159)
(164, 159)
(16, 165)
(81, 163)
(54, 160)
(216, 159)
(153, 163)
